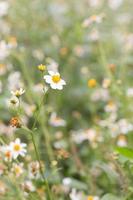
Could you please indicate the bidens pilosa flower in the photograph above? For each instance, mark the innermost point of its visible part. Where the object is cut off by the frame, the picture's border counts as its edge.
(18, 93)
(18, 148)
(54, 80)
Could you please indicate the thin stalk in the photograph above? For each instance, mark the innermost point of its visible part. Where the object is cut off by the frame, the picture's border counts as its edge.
(38, 158)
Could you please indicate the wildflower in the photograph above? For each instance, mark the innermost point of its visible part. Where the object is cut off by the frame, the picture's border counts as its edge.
(18, 93)
(34, 170)
(17, 148)
(28, 186)
(122, 141)
(12, 42)
(92, 83)
(4, 5)
(54, 80)
(13, 102)
(18, 169)
(106, 83)
(15, 122)
(41, 67)
(93, 198)
(56, 121)
(7, 153)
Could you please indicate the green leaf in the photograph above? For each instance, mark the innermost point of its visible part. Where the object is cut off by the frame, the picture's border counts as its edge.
(110, 197)
(125, 152)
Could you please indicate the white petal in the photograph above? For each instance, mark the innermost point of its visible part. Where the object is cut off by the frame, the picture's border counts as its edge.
(59, 87)
(51, 73)
(47, 78)
(62, 82)
(53, 86)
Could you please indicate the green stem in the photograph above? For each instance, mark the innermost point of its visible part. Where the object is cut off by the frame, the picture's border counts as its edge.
(38, 158)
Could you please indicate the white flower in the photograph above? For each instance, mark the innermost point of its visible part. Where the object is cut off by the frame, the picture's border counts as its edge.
(28, 186)
(18, 169)
(56, 121)
(18, 93)
(54, 80)
(74, 195)
(7, 153)
(93, 198)
(3, 8)
(17, 148)
(13, 102)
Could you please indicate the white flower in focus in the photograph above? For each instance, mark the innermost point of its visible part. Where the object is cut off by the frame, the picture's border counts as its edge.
(54, 80)
(17, 148)
(13, 102)
(3, 8)
(18, 93)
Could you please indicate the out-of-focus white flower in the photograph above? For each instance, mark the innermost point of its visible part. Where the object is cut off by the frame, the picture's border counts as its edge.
(130, 92)
(18, 93)
(34, 170)
(13, 102)
(7, 153)
(39, 54)
(67, 181)
(56, 121)
(4, 5)
(54, 80)
(100, 94)
(14, 81)
(106, 83)
(17, 148)
(124, 126)
(74, 195)
(18, 169)
(4, 50)
(93, 19)
(52, 65)
(111, 107)
(114, 4)
(93, 198)
(95, 3)
(122, 141)
(28, 187)
(94, 35)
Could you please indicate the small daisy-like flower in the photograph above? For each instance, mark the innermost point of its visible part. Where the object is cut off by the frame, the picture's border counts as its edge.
(54, 80)
(15, 122)
(41, 68)
(7, 153)
(92, 83)
(18, 169)
(13, 102)
(18, 93)
(93, 198)
(17, 148)
(28, 186)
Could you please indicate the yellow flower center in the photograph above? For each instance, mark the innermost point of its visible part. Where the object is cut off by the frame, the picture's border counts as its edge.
(17, 147)
(90, 198)
(56, 78)
(17, 170)
(8, 154)
(92, 83)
